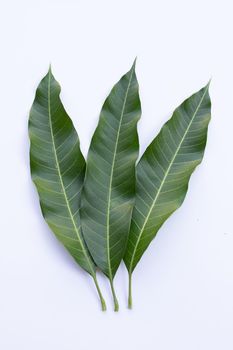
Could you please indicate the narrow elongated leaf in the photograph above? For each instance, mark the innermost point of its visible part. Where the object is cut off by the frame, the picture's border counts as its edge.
(109, 188)
(163, 173)
(57, 168)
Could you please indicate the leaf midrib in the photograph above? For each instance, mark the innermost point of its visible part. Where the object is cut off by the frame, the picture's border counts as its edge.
(60, 177)
(165, 176)
(111, 174)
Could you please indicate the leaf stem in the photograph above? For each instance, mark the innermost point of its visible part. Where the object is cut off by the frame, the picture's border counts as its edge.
(130, 302)
(103, 304)
(116, 305)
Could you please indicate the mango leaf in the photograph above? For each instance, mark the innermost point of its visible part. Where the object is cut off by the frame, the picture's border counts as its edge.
(109, 188)
(163, 173)
(57, 169)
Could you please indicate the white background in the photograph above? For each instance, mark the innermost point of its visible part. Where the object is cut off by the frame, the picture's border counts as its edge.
(183, 286)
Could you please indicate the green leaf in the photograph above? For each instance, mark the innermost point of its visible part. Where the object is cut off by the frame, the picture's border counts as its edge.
(163, 173)
(109, 187)
(58, 168)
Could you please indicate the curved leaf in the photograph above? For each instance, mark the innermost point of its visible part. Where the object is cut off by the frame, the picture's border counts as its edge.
(109, 187)
(163, 173)
(57, 168)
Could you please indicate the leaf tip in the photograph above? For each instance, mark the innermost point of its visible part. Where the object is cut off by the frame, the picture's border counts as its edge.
(134, 63)
(208, 84)
(50, 68)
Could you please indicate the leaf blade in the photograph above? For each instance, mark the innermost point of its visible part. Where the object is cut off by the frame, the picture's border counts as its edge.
(108, 195)
(162, 179)
(57, 168)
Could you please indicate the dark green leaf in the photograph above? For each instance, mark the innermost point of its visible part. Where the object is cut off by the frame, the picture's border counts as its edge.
(163, 173)
(109, 187)
(57, 168)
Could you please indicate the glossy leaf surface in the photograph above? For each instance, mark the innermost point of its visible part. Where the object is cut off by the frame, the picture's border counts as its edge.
(164, 170)
(58, 168)
(109, 188)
